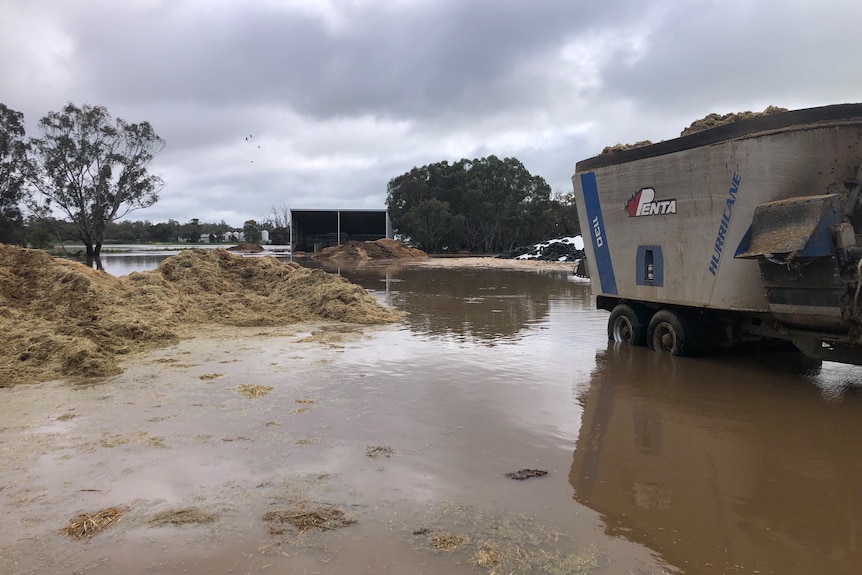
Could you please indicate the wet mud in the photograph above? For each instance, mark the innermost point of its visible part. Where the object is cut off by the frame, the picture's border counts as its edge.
(398, 439)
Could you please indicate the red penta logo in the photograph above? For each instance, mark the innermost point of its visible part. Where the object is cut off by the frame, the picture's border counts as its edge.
(643, 203)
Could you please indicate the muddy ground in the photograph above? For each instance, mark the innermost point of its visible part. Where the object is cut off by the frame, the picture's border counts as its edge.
(278, 450)
(313, 447)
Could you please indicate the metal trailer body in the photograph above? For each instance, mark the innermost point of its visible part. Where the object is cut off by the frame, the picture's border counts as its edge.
(739, 232)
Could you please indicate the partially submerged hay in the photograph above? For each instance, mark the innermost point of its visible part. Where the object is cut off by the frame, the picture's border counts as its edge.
(487, 556)
(184, 516)
(382, 249)
(447, 541)
(251, 390)
(510, 543)
(323, 518)
(64, 319)
(376, 451)
(86, 525)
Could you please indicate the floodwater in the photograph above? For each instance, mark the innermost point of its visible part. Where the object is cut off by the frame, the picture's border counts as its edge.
(729, 464)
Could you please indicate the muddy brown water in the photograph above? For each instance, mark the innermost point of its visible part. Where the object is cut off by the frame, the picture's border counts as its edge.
(736, 463)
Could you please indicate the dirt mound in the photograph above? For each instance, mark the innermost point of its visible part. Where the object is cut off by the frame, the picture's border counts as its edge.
(64, 319)
(715, 120)
(382, 249)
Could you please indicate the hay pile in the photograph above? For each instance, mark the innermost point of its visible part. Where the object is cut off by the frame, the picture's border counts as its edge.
(63, 319)
(382, 249)
(622, 147)
(710, 121)
(715, 120)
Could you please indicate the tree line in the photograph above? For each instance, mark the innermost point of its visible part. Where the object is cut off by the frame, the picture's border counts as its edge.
(48, 233)
(82, 174)
(485, 205)
(85, 171)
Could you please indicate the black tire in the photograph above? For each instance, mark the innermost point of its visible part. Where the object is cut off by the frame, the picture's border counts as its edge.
(674, 333)
(628, 325)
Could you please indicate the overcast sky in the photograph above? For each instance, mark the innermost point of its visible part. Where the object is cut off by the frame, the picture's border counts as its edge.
(337, 97)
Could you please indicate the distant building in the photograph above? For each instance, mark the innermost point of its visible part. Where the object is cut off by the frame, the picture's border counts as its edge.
(313, 230)
(233, 237)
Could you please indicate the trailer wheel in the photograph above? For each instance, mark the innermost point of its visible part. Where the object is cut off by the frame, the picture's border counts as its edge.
(627, 325)
(673, 333)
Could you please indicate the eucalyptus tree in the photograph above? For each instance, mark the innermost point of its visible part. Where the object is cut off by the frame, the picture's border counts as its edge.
(13, 159)
(92, 168)
(482, 205)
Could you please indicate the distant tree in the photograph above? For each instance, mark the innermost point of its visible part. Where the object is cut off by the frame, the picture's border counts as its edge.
(566, 214)
(13, 158)
(482, 205)
(164, 232)
(93, 169)
(278, 223)
(192, 231)
(251, 231)
(430, 221)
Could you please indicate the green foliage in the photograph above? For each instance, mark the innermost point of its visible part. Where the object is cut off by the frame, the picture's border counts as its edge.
(13, 159)
(251, 231)
(481, 205)
(93, 169)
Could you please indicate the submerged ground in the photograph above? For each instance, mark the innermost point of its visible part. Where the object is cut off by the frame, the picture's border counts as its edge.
(341, 448)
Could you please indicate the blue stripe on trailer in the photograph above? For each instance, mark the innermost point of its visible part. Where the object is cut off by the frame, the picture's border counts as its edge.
(597, 233)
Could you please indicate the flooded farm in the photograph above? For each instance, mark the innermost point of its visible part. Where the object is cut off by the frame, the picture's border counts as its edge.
(492, 430)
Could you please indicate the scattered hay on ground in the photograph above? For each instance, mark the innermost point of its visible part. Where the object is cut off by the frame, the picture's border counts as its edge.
(157, 441)
(511, 543)
(63, 319)
(382, 249)
(376, 451)
(322, 337)
(487, 556)
(184, 516)
(523, 474)
(447, 541)
(87, 525)
(251, 390)
(323, 518)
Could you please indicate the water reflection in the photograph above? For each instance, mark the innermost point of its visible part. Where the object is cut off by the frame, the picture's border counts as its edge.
(725, 464)
(490, 306)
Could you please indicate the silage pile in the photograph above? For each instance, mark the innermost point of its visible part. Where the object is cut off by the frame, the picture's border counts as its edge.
(63, 319)
(382, 249)
(707, 122)
(715, 120)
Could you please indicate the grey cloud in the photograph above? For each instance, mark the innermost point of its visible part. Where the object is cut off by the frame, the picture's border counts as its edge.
(414, 59)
